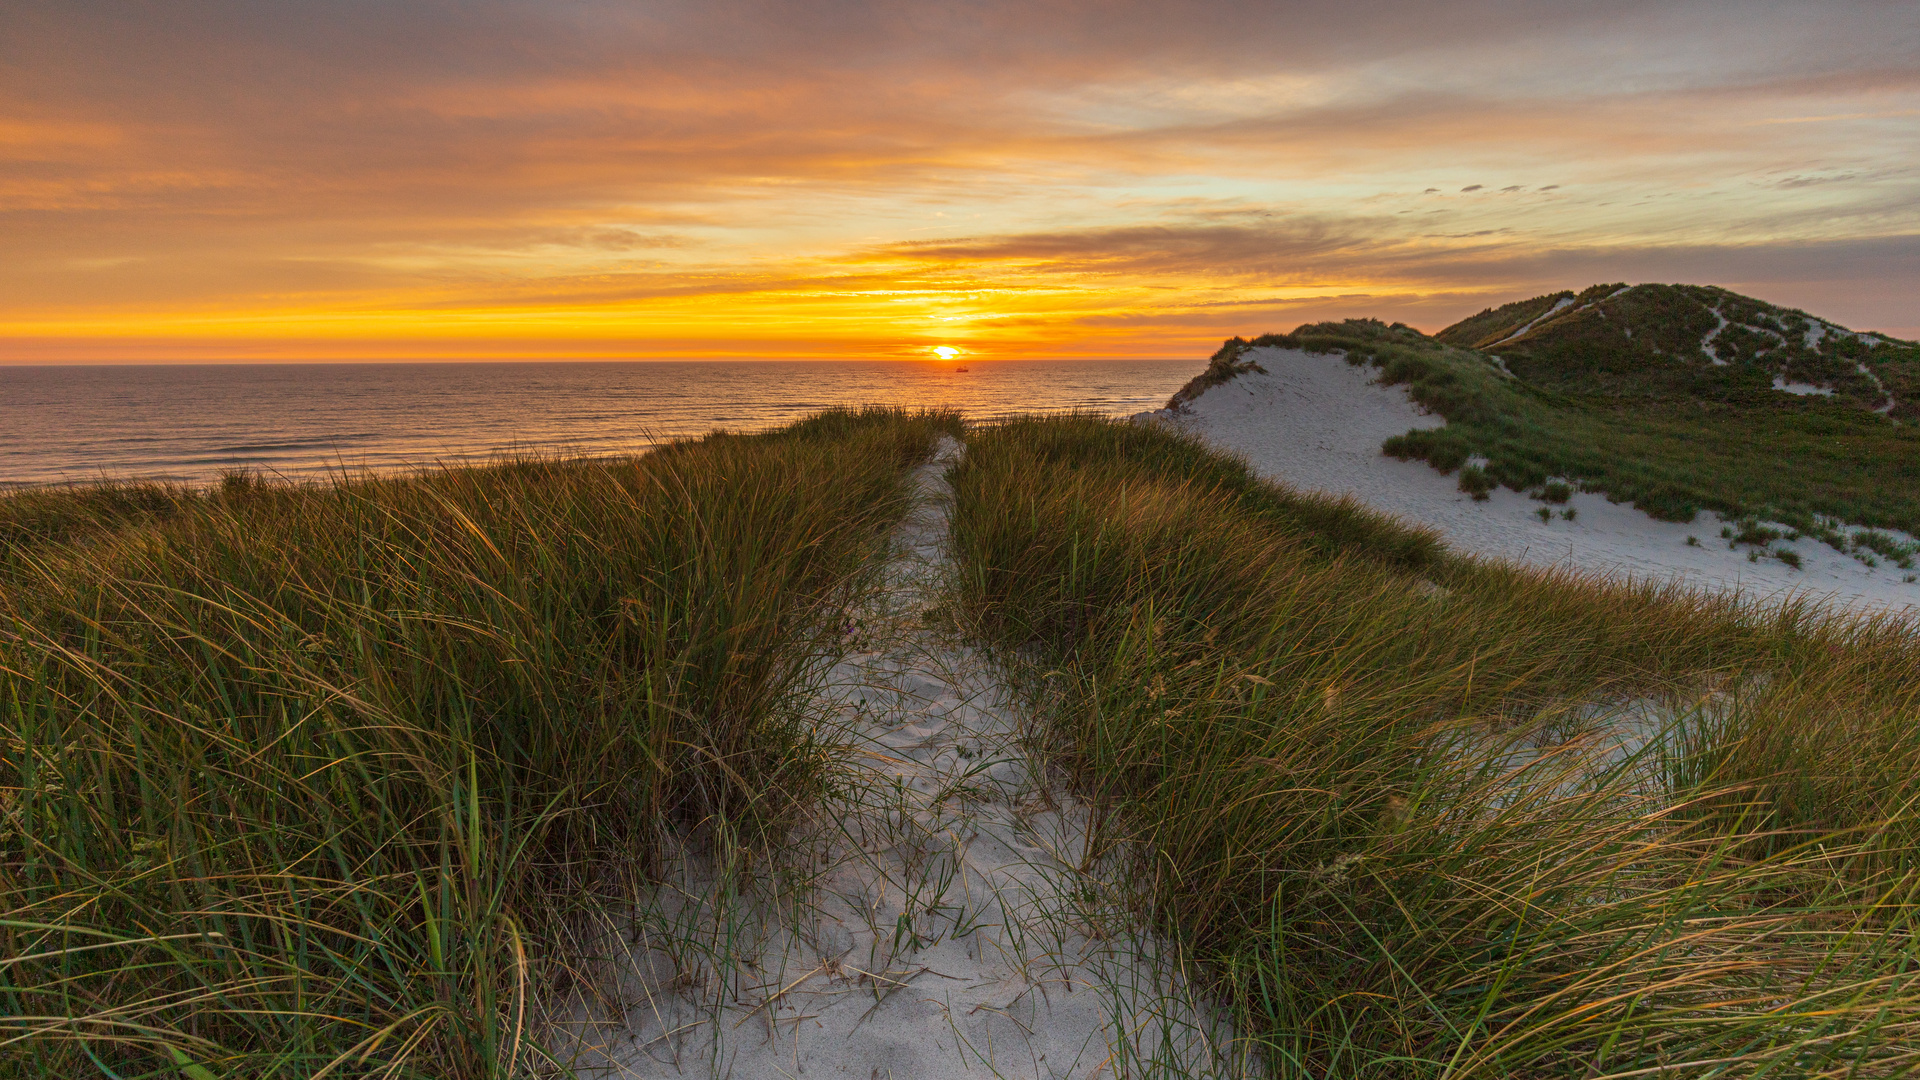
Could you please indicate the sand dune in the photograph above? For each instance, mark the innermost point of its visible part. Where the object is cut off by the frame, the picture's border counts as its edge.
(1316, 422)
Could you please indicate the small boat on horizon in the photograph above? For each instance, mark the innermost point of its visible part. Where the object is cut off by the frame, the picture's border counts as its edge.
(958, 370)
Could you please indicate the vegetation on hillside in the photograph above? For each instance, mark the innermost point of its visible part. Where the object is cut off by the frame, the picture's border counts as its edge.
(1655, 343)
(1600, 391)
(329, 779)
(1496, 325)
(1222, 366)
(1367, 791)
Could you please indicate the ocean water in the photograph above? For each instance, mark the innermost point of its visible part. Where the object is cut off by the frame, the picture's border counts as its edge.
(192, 422)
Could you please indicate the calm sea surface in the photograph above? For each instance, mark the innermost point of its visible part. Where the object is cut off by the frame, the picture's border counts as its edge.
(189, 423)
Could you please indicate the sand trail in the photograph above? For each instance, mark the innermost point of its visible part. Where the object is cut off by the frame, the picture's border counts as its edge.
(942, 929)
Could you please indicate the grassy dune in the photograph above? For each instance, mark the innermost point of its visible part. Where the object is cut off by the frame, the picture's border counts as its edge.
(1349, 775)
(324, 779)
(1745, 452)
(1650, 343)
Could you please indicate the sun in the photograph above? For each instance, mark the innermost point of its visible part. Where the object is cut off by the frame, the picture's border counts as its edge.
(945, 352)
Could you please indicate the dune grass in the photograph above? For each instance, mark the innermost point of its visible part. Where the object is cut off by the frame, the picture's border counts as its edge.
(1372, 794)
(305, 780)
(344, 779)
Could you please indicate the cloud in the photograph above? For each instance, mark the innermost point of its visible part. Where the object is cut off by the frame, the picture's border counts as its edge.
(1226, 250)
(1809, 181)
(226, 164)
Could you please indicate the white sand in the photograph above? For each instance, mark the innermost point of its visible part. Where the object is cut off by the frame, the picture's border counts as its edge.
(1706, 343)
(1801, 389)
(948, 932)
(1316, 422)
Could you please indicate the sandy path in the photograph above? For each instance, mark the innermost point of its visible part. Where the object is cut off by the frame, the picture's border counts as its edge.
(1316, 422)
(947, 932)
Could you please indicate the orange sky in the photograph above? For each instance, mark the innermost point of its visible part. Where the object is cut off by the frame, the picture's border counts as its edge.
(359, 180)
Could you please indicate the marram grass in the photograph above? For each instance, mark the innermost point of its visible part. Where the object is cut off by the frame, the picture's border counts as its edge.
(1331, 771)
(345, 779)
(323, 780)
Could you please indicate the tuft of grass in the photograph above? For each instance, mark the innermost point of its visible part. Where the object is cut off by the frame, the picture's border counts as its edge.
(1222, 367)
(304, 779)
(1475, 482)
(1359, 792)
(1883, 545)
(1556, 492)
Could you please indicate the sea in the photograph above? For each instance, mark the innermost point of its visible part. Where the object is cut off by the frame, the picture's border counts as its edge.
(192, 423)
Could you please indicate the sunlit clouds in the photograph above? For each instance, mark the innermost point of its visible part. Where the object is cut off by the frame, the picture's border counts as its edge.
(365, 180)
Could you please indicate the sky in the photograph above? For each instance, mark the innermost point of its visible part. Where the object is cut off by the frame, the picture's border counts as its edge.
(376, 179)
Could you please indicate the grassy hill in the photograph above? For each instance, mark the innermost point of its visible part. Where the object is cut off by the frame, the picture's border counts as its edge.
(1678, 398)
(1692, 342)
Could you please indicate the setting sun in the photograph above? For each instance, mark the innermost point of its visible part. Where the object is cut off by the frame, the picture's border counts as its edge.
(945, 352)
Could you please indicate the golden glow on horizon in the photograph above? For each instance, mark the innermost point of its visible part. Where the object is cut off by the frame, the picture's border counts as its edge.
(897, 311)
